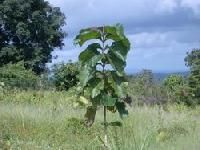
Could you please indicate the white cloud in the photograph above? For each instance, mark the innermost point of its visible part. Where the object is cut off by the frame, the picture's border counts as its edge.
(193, 4)
(166, 6)
(160, 31)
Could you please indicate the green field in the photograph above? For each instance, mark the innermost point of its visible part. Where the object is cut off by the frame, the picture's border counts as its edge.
(46, 120)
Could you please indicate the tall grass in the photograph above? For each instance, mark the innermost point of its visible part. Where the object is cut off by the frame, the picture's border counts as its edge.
(52, 123)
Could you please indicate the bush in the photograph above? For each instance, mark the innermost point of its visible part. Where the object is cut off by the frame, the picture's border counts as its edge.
(178, 90)
(65, 76)
(16, 76)
(173, 81)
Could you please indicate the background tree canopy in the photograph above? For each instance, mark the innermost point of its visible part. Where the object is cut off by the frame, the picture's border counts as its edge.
(65, 76)
(29, 31)
(16, 76)
(193, 61)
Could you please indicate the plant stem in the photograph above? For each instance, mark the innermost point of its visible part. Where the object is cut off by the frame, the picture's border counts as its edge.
(104, 76)
(105, 129)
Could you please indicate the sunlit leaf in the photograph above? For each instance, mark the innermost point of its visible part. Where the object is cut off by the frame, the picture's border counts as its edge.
(86, 74)
(98, 86)
(87, 34)
(84, 100)
(88, 70)
(89, 53)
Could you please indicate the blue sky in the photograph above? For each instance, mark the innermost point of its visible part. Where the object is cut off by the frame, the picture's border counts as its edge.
(160, 31)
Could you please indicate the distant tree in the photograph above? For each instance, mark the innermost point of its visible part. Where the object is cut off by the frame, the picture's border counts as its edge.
(65, 76)
(193, 62)
(145, 89)
(29, 31)
(146, 79)
(173, 81)
(173, 85)
(143, 82)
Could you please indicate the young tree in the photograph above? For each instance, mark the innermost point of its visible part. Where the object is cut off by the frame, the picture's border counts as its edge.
(102, 76)
(29, 31)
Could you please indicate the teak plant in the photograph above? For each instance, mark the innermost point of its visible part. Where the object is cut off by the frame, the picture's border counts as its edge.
(102, 76)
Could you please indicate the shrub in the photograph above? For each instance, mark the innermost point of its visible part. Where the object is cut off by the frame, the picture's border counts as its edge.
(177, 90)
(65, 76)
(16, 76)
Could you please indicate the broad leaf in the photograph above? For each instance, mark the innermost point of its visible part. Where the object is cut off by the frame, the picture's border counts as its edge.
(89, 53)
(119, 84)
(104, 100)
(88, 69)
(116, 63)
(108, 100)
(116, 33)
(119, 50)
(98, 87)
(86, 74)
(90, 115)
(87, 34)
(121, 108)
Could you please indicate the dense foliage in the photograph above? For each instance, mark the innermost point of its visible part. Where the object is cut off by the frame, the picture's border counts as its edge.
(29, 31)
(16, 76)
(65, 76)
(177, 89)
(173, 81)
(193, 62)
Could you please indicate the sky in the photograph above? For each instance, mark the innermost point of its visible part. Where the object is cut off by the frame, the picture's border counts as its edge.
(160, 31)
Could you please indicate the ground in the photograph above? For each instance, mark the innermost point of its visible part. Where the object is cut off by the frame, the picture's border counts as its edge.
(32, 120)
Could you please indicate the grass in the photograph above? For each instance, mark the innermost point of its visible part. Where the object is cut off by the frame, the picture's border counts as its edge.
(27, 123)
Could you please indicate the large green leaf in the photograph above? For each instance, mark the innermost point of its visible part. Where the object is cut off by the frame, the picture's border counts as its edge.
(121, 108)
(117, 56)
(117, 64)
(86, 74)
(98, 85)
(119, 84)
(108, 100)
(90, 115)
(116, 33)
(90, 52)
(119, 50)
(104, 100)
(87, 34)
(87, 71)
